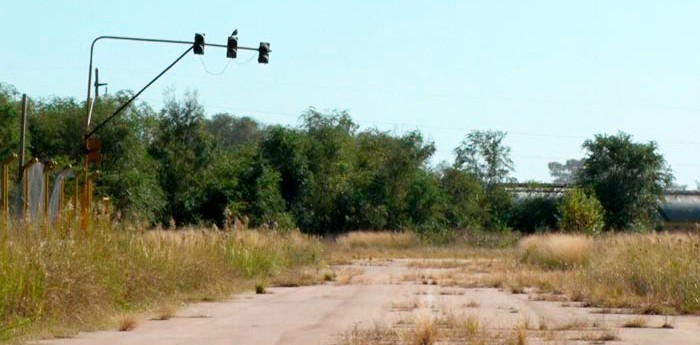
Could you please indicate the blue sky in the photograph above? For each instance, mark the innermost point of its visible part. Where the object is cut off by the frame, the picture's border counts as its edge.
(550, 73)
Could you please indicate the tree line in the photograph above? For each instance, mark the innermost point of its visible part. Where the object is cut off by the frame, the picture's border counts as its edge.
(326, 175)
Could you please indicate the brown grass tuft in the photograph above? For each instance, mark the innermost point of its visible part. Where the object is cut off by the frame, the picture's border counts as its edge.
(555, 251)
(426, 330)
(165, 311)
(346, 275)
(128, 322)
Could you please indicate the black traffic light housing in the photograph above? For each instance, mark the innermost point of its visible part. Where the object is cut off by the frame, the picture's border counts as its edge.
(264, 52)
(232, 47)
(198, 46)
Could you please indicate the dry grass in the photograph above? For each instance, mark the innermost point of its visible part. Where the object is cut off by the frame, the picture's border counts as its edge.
(635, 322)
(71, 281)
(439, 264)
(597, 336)
(128, 322)
(425, 331)
(377, 239)
(165, 311)
(346, 275)
(375, 335)
(656, 273)
(361, 245)
(556, 251)
(575, 324)
(424, 328)
(472, 304)
(301, 276)
(651, 273)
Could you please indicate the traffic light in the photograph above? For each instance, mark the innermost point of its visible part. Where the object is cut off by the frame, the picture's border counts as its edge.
(264, 52)
(231, 47)
(198, 46)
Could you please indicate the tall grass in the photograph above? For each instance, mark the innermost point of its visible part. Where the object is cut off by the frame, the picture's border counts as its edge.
(80, 281)
(555, 251)
(656, 273)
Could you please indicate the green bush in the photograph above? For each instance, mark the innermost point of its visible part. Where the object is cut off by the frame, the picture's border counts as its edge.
(580, 212)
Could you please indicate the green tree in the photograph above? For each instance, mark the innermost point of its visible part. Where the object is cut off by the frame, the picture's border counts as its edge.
(284, 150)
(483, 154)
(9, 120)
(129, 173)
(628, 178)
(184, 150)
(57, 129)
(579, 212)
(466, 198)
(387, 169)
(329, 149)
(229, 131)
(564, 173)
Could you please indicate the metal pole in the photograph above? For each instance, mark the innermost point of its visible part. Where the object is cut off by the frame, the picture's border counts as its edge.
(22, 134)
(97, 84)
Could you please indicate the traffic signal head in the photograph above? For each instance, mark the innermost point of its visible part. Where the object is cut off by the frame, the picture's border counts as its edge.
(232, 47)
(264, 52)
(198, 46)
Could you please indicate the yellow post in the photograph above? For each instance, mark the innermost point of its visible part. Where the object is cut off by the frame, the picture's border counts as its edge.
(62, 194)
(6, 189)
(84, 204)
(87, 194)
(25, 186)
(105, 206)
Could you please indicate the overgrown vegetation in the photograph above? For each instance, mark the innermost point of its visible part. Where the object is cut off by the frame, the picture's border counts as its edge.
(53, 283)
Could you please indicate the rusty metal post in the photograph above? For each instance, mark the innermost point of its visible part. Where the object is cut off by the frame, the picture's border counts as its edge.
(6, 189)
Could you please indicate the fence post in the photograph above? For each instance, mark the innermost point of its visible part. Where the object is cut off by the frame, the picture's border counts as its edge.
(6, 189)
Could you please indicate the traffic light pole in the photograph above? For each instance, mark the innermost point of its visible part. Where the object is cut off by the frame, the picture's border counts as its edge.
(88, 102)
(85, 208)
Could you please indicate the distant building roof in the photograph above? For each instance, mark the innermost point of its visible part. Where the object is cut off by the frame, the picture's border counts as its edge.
(678, 205)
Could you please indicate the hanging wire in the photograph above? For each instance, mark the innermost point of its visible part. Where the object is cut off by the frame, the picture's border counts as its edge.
(247, 61)
(214, 73)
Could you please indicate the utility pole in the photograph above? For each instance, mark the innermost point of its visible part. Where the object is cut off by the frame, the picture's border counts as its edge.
(98, 84)
(22, 133)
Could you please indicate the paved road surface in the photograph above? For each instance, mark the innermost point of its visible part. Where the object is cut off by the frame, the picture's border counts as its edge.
(318, 314)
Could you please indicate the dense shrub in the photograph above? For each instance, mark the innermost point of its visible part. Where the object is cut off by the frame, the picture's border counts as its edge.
(580, 212)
